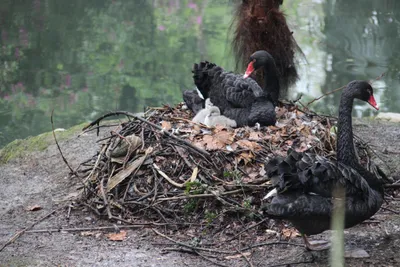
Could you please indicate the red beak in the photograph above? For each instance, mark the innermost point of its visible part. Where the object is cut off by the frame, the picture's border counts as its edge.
(372, 102)
(249, 70)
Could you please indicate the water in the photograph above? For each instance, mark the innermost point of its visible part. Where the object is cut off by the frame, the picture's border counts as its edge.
(84, 58)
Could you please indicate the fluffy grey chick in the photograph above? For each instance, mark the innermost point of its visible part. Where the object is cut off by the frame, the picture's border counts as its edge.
(214, 118)
(201, 115)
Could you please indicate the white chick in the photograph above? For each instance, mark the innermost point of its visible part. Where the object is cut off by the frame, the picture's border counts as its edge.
(214, 118)
(201, 115)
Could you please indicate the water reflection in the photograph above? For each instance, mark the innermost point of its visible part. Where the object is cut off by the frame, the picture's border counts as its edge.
(360, 40)
(84, 58)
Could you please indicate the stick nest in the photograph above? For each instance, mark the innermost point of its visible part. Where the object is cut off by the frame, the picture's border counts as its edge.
(176, 172)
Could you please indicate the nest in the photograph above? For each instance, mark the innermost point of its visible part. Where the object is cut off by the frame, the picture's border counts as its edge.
(164, 169)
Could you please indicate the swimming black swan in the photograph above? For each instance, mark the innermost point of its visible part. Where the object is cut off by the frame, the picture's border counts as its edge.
(304, 182)
(260, 25)
(238, 98)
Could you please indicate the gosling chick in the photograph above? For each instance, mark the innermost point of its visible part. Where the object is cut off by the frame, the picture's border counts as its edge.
(214, 118)
(201, 115)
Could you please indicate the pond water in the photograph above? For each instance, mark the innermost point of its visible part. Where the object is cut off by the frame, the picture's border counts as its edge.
(84, 58)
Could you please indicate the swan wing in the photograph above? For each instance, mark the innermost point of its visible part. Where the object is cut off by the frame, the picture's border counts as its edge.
(312, 174)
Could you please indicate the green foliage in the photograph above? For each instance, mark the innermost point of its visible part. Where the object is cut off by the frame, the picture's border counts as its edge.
(247, 203)
(234, 174)
(190, 206)
(210, 216)
(103, 55)
(194, 188)
(20, 148)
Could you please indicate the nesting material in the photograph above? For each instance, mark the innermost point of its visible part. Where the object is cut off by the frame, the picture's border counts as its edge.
(174, 171)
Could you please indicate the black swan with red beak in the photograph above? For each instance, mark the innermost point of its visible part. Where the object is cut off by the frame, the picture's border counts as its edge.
(260, 25)
(304, 182)
(238, 97)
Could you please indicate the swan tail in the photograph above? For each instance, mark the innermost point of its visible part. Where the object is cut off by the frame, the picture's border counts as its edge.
(202, 76)
(286, 173)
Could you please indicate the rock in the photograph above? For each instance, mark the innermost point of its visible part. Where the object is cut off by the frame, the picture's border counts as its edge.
(388, 116)
(356, 253)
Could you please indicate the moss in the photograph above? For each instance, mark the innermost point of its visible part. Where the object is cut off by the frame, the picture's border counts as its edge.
(21, 147)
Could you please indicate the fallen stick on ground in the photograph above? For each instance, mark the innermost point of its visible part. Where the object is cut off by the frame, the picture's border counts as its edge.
(20, 233)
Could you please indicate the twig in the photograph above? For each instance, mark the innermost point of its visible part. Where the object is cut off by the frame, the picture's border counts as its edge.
(84, 229)
(191, 247)
(210, 260)
(189, 121)
(20, 233)
(271, 243)
(331, 92)
(183, 250)
(163, 174)
(96, 163)
(103, 193)
(245, 258)
(245, 230)
(99, 126)
(122, 226)
(58, 146)
(337, 89)
(395, 212)
(379, 77)
(200, 195)
(292, 263)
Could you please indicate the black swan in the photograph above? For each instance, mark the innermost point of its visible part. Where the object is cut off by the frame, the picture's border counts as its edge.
(238, 98)
(304, 182)
(260, 25)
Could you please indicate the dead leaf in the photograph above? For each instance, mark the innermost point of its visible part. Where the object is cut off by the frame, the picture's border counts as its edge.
(289, 142)
(121, 236)
(280, 112)
(255, 136)
(253, 175)
(290, 232)
(96, 234)
(219, 128)
(245, 156)
(130, 168)
(249, 145)
(224, 137)
(166, 125)
(199, 144)
(212, 143)
(234, 146)
(33, 208)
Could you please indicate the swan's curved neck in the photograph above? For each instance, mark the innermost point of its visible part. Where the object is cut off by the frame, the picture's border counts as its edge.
(346, 153)
(345, 146)
(271, 82)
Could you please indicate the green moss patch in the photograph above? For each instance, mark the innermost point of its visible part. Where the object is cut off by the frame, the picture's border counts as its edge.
(21, 147)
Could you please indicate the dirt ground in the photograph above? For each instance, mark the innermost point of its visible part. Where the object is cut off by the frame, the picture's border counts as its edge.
(42, 179)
